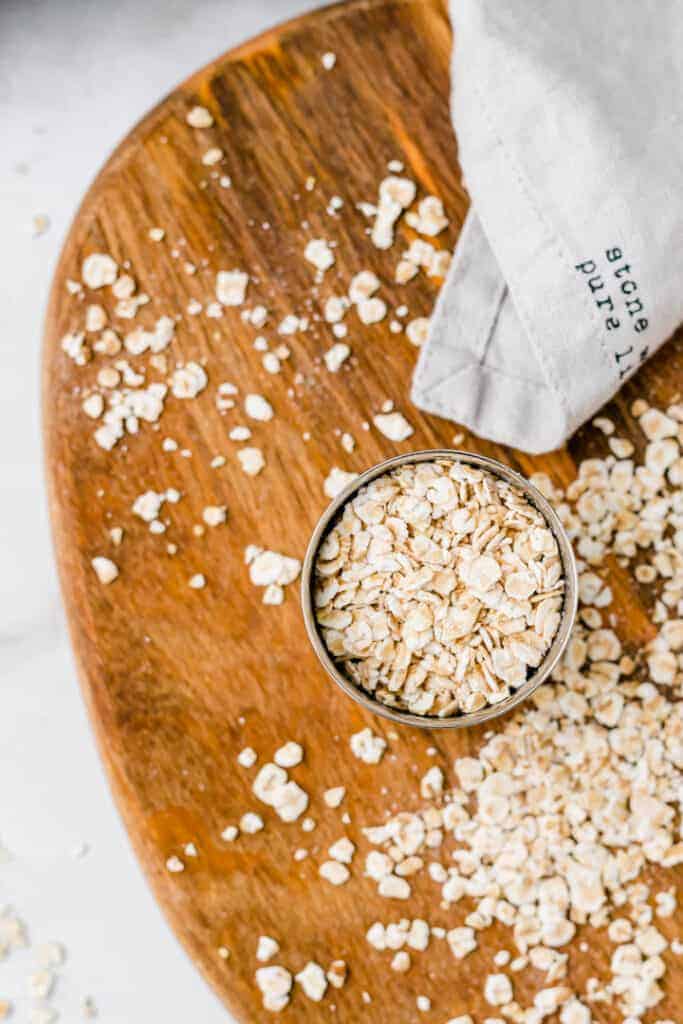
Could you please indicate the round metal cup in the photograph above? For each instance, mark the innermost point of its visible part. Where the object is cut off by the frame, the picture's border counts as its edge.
(555, 650)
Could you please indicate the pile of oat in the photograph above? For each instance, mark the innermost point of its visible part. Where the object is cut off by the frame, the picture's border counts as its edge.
(550, 830)
(439, 588)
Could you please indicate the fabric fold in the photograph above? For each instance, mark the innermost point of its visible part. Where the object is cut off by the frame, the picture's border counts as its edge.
(567, 273)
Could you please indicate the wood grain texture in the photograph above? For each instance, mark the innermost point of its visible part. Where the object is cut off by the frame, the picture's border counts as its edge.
(177, 681)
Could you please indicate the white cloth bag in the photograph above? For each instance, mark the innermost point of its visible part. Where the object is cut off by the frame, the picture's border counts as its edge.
(569, 269)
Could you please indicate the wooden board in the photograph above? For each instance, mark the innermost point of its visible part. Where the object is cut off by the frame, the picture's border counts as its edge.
(178, 681)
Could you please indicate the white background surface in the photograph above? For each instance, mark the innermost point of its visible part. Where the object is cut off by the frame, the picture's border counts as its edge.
(74, 77)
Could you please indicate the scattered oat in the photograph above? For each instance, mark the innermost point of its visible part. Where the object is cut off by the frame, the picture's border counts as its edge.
(247, 757)
(368, 747)
(313, 981)
(231, 287)
(336, 480)
(334, 796)
(289, 755)
(189, 380)
(393, 425)
(105, 570)
(319, 253)
(99, 270)
(239, 434)
(212, 156)
(371, 311)
(250, 823)
(417, 331)
(334, 872)
(337, 973)
(275, 984)
(251, 460)
(267, 948)
(395, 195)
(363, 286)
(430, 218)
(258, 408)
(199, 117)
(342, 851)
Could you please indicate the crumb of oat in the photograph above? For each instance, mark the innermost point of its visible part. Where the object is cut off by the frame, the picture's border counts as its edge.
(371, 311)
(105, 570)
(99, 270)
(212, 156)
(430, 218)
(267, 948)
(214, 515)
(401, 962)
(251, 460)
(247, 757)
(95, 318)
(334, 309)
(250, 823)
(334, 796)
(336, 480)
(75, 347)
(405, 271)
(367, 746)
(231, 287)
(395, 195)
(342, 850)
(336, 355)
(319, 253)
(189, 380)
(239, 434)
(273, 594)
(41, 224)
(93, 406)
(258, 408)
(271, 363)
(417, 331)
(275, 984)
(337, 973)
(268, 567)
(312, 980)
(363, 286)
(199, 117)
(393, 425)
(334, 872)
(498, 990)
(289, 755)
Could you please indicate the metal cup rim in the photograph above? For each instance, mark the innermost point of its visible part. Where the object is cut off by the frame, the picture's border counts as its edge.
(552, 656)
